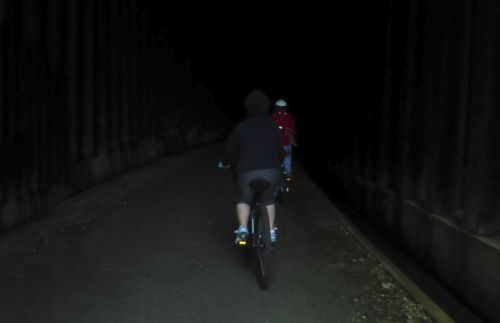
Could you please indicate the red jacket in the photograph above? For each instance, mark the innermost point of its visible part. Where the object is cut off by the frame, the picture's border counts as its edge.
(286, 124)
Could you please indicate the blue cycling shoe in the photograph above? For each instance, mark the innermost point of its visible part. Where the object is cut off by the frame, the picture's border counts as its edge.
(241, 236)
(274, 233)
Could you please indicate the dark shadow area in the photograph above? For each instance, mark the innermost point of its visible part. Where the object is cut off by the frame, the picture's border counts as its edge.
(394, 249)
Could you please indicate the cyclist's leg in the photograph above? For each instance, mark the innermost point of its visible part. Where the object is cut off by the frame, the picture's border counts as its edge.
(266, 196)
(287, 162)
(273, 176)
(243, 206)
(271, 212)
(243, 213)
(245, 197)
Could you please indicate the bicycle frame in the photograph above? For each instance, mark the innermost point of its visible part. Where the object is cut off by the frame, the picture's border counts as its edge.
(254, 218)
(261, 241)
(260, 234)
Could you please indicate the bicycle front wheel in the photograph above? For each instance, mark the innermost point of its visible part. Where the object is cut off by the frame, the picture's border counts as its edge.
(264, 248)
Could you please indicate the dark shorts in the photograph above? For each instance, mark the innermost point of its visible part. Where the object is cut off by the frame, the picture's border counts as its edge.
(267, 196)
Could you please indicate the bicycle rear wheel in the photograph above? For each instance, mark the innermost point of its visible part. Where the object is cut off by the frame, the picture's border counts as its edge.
(264, 248)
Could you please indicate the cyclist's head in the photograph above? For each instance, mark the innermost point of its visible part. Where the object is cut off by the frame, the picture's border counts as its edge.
(257, 103)
(281, 104)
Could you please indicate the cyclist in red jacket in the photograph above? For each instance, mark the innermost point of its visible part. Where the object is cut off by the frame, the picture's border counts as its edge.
(286, 124)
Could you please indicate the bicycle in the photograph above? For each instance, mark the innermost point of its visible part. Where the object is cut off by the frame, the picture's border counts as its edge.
(283, 188)
(259, 232)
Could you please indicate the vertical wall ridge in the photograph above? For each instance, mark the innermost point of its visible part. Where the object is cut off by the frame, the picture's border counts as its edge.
(87, 90)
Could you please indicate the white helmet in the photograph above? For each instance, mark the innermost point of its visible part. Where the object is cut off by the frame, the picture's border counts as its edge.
(281, 104)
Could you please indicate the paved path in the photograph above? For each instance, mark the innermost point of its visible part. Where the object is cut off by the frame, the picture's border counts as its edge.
(155, 245)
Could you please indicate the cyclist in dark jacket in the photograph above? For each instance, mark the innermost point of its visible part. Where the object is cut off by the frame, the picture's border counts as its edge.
(255, 149)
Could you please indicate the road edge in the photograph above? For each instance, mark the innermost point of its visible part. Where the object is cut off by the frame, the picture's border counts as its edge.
(431, 307)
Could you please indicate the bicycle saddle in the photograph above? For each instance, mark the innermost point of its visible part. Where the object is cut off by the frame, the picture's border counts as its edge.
(259, 184)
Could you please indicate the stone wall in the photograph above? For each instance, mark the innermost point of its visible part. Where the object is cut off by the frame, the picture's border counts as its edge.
(88, 90)
(415, 148)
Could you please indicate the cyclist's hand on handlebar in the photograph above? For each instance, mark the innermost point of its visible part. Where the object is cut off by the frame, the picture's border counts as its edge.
(221, 165)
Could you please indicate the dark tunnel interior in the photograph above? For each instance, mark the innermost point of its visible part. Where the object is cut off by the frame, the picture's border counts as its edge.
(396, 105)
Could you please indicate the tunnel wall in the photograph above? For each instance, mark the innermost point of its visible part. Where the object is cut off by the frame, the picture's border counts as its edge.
(420, 158)
(88, 90)
(401, 122)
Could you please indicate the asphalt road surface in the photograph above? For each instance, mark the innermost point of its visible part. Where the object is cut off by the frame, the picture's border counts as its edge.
(156, 245)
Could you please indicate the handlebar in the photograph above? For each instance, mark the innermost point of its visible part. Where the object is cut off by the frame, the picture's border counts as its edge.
(221, 165)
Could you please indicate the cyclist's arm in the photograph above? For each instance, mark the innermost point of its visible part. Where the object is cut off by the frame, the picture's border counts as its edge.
(293, 136)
